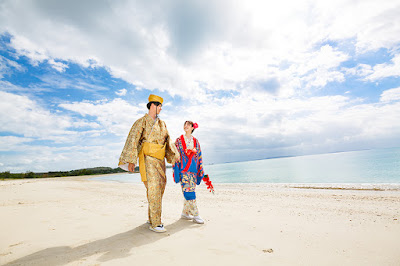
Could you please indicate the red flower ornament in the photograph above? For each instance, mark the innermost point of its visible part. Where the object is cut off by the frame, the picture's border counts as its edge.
(195, 125)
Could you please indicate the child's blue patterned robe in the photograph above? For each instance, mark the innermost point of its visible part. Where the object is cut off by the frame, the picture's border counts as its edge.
(195, 172)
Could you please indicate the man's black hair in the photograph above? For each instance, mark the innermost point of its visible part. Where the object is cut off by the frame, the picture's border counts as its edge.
(149, 104)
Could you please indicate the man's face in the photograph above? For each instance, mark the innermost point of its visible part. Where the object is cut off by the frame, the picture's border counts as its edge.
(158, 108)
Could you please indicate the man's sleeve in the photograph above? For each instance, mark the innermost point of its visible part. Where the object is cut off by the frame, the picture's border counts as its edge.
(171, 152)
(130, 152)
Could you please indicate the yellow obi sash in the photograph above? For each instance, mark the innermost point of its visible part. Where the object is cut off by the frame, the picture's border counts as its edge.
(153, 150)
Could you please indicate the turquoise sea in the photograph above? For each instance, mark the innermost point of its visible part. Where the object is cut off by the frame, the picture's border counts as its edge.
(367, 166)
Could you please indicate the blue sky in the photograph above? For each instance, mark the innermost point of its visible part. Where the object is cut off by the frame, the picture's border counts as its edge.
(262, 79)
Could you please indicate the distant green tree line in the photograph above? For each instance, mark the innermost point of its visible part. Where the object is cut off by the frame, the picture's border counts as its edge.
(86, 171)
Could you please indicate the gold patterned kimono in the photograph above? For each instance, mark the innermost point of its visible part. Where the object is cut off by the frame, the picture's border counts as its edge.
(143, 132)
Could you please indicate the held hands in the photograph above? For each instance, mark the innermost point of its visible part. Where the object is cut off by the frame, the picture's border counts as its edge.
(131, 167)
(177, 160)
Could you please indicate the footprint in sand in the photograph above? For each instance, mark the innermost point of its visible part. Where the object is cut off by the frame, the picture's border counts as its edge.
(270, 250)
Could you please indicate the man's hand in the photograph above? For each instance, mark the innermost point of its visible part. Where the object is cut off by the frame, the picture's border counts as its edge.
(131, 167)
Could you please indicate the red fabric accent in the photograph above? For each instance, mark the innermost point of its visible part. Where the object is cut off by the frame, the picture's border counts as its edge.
(207, 181)
(183, 142)
(189, 153)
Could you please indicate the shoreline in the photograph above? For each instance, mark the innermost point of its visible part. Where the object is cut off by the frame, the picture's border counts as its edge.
(316, 185)
(79, 221)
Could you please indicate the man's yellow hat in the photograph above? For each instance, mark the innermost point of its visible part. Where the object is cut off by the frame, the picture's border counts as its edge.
(155, 98)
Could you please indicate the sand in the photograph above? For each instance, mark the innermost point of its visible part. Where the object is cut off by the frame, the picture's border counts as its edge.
(78, 221)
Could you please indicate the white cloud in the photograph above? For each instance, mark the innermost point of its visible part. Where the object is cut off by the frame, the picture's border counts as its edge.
(320, 78)
(252, 127)
(372, 24)
(325, 58)
(360, 70)
(385, 70)
(60, 67)
(6, 66)
(390, 95)
(9, 143)
(316, 68)
(49, 158)
(114, 116)
(381, 28)
(150, 46)
(24, 116)
(26, 47)
(52, 82)
(121, 92)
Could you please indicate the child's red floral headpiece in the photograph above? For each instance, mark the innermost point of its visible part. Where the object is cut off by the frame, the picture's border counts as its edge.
(195, 125)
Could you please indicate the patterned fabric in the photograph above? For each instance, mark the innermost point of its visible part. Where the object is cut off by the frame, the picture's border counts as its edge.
(196, 164)
(190, 208)
(155, 185)
(188, 183)
(143, 130)
(189, 142)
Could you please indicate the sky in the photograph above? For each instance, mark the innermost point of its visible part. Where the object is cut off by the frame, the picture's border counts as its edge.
(262, 79)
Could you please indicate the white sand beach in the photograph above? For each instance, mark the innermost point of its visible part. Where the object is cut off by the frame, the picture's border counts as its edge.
(78, 221)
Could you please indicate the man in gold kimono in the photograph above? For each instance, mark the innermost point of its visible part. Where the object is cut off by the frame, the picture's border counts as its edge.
(149, 141)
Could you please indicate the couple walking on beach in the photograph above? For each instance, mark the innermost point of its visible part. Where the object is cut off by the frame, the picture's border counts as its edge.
(149, 141)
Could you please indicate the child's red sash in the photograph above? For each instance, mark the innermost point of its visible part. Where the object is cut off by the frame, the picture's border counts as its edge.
(189, 153)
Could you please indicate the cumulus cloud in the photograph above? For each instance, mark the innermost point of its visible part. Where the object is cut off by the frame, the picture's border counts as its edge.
(390, 95)
(23, 116)
(114, 116)
(385, 70)
(370, 72)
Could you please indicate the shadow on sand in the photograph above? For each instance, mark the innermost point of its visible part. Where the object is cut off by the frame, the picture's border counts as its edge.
(117, 246)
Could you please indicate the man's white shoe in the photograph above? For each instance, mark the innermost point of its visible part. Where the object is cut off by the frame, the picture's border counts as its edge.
(197, 219)
(158, 229)
(187, 217)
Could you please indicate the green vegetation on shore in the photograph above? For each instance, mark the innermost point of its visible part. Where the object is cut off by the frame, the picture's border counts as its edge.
(79, 172)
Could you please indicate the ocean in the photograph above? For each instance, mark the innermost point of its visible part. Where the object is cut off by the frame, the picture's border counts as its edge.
(366, 166)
